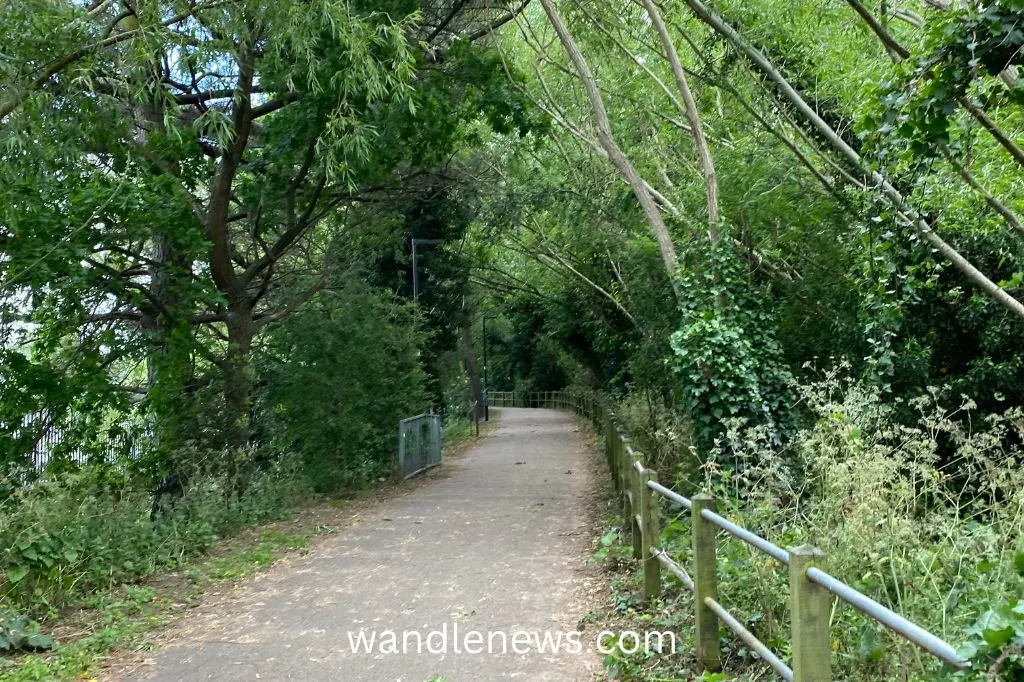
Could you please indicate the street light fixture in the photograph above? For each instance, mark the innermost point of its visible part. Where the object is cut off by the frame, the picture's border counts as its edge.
(415, 269)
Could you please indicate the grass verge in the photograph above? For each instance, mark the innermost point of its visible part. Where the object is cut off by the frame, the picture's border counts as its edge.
(122, 618)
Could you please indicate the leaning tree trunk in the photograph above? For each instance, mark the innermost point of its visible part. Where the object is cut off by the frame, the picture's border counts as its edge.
(889, 193)
(700, 141)
(615, 154)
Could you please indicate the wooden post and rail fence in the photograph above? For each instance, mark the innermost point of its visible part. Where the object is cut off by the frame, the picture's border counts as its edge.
(811, 589)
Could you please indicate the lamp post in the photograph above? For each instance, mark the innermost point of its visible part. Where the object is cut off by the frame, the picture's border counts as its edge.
(487, 398)
(415, 268)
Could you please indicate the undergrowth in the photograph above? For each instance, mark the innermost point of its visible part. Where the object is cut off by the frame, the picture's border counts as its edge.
(83, 542)
(923, 515)
(69, 536)
(458, 431)
(122, 616)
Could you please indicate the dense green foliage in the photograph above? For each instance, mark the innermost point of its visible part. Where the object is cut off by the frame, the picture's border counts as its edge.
(206, 304)
(805, 265)
(340, 374)
(83, 533)
(197, 179)
(206, 212)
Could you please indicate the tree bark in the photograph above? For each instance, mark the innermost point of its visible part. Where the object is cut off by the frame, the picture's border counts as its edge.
(467, 351)
(707, 163)
(238, 380)
(168, 362)
(999, 207)
(240, 324)
(615, 153)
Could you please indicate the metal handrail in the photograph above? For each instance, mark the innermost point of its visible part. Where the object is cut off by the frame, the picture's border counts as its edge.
(755, 541)
(670, 494)
(675, 569)
(419, 416)
(887, 617)
(871, 608)
(748, 637)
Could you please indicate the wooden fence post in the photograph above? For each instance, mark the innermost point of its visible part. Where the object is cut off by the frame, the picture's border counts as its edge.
(613, 440)
(810, 608)
(613, 449)
(705, 579)
(636, 505)
(650, 530)
(609, 452)
(625, 480)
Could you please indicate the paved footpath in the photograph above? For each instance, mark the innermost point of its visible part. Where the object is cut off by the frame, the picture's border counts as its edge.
(495, 545)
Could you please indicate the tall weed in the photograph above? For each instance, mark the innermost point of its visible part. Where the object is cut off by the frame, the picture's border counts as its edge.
(923, 515)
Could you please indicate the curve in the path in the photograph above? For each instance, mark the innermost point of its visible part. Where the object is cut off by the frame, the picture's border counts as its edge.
(494, 546)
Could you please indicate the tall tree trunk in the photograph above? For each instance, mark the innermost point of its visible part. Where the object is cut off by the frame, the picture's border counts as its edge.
(707, 163)
(168, 364)
(615, 153)
(240, 325)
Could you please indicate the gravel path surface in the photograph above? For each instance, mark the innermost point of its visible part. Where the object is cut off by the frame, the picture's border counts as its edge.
(495, 545)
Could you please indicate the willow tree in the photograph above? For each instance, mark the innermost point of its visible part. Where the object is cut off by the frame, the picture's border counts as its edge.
(197, 172)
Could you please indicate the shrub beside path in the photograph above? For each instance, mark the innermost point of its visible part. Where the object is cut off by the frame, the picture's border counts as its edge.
(496, 544)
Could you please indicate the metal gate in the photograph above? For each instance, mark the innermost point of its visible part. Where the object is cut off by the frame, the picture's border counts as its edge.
(419, 444)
